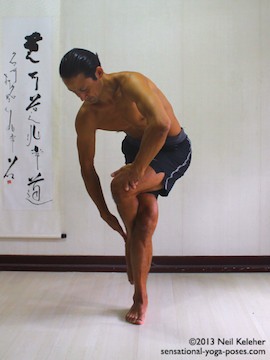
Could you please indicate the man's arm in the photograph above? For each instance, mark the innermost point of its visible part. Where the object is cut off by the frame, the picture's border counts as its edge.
(86, 152)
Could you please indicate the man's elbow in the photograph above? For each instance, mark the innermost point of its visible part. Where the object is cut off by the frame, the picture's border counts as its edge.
(164, 126)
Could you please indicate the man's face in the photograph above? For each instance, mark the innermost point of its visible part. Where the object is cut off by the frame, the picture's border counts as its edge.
(85, 88)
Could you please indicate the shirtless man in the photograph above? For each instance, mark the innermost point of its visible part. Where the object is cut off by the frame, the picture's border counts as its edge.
(156, 149)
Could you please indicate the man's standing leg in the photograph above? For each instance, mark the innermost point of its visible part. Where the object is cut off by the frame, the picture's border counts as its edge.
(139, 213)
(140, 248)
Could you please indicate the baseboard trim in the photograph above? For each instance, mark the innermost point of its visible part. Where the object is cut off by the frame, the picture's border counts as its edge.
(160, 264)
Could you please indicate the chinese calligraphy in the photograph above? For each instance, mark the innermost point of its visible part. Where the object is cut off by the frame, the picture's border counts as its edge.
(34, 192)
(10, 87)
(32, 46)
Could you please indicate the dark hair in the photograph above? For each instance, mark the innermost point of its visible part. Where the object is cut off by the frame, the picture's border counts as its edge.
(78, 61)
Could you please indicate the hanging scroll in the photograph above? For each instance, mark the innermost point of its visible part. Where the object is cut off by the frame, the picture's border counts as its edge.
(27, 175)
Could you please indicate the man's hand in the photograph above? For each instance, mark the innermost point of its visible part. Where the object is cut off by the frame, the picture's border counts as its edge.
(129, 176)
(113, 222)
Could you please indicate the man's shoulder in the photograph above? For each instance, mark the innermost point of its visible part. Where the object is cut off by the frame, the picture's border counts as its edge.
(131, 82)
(85, 119)
(128, 77)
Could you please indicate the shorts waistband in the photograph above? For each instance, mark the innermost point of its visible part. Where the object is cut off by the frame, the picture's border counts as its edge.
(170, 141)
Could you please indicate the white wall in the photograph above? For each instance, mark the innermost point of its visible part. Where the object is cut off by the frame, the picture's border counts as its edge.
(212, 60)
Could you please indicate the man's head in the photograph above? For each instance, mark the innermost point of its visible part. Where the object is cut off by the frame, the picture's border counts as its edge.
(79, 61)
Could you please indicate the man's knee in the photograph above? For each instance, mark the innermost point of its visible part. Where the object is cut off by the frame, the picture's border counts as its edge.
(119, 194)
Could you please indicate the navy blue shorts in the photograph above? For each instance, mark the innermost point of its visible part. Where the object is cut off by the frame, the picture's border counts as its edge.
(173, 159)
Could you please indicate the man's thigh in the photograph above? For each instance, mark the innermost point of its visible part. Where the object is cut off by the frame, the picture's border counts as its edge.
(151, 181)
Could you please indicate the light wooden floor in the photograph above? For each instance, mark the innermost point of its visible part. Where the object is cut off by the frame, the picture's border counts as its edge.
(73, 316)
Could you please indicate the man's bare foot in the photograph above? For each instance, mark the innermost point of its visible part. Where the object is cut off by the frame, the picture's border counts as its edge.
(137, 312)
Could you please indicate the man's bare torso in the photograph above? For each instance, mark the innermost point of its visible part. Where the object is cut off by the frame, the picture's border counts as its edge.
(118, 112)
